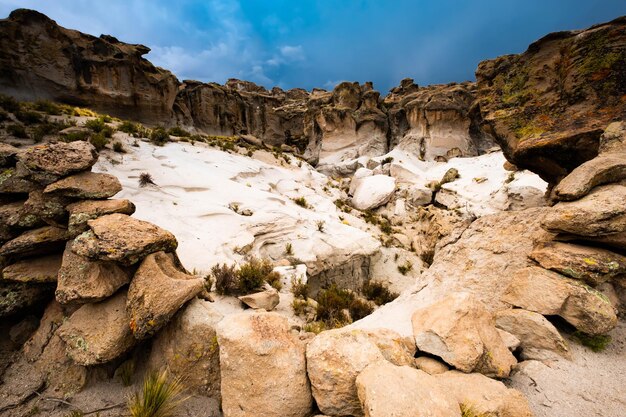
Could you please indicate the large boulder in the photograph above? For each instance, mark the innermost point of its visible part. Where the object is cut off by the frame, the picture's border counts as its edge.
(267, 299)
(386, 390)
(549, 105)
(98, 333)
(590, 264)
(45, 207)
(479, 395)
(372, 192)
(263, 367)
(40, 269)
(45, 240)
(336, 357)
(460, 331)
(47, 163)
(17, 180)
(121, 238)
(82, 280)
(86, 185)
(188, 348)
(158, 290)
(83, 211)
(548, 293)
(17, 297)
(534, 332)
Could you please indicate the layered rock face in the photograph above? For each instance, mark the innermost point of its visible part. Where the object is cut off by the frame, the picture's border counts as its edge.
(42, 60)
(548, 106)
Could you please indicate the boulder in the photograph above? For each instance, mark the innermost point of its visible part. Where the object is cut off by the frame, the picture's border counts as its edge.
(479, 395)
(535, 333)
(430, 365)
(17, 297)
(613, 139)
(386, 390)
(7, 155)
(17, 180)
(266, 300)
(42, 269)
(49, 162)
(86, 185)
(118, 237)
(336, 357)
(98, 333)
(158, 290)
(49, 208)
(82, 280)
(590, 264)
(83, 211)
(603, 169)
(8, 211)
(358, 177)
(549, 293)
(188, 348)
(373, 191)
(263, 367)
(460, 331)
(45, 240)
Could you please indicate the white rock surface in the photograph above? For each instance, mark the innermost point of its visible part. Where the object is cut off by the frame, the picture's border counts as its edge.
(372, 192)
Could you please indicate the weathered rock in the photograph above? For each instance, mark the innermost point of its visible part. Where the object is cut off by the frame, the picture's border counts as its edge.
(16, 180)
(535, 333)
(86, 185)
(99, 332)
(158, 290)
(336, 357)
(431, 366)
(603, 169)
(44, 240)
(549, 105)
(43, 269)
(47, 163)
(549, 293)
(83, 211)
(8, 211)
(7, 155)
(121, 238)
(357, 177)
(590, 264)
(17, 297)
(266, 300)
(613, 139)
(263, 367)
(385, 390)
(188, 348)
(112, 77)
(82, 280)
(45, 207)
(482, 395)
(373, 191)
(600, 213)
(461, 332)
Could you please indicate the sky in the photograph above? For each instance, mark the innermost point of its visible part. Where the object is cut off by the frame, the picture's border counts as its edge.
(307, 43)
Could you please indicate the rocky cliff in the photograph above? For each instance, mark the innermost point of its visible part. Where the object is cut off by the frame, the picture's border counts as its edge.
(548, 106)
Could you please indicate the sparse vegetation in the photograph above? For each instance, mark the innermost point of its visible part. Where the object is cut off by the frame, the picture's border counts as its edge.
(469, 411)
(337, 307)
(9, 104)
(301, 201)
(289, 249)
(128, 127)
(378, 293)
(179, 131)
(299, 289)
(404, 269)
(596, 343)
(316, 327)
(387, 160)
(29, 117)
(48, 128)
(145, 179)
(159, 136)
(247, 279)
(98, 140)
(74, 136)
(17, 130)
(48, 107)
(118, 147)
(126, 372)
(321, 224)
(159, 397)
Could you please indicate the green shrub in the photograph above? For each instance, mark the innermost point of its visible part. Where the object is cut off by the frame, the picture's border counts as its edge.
(96, 125)
(316, 327)
(334, 301)
(17, 130)
(28, 117)
(469, 411)
(385, 227)
(249, 278)
(299, 289)
(225, 279)
(301, 201)
(253, 274)
(378, 293)
(98, 140)
(159, 136)
(128, 127)
(9, 103)
(387, 160)
(404, 269)
(159, 397)
(48, 107)
(107, 131)
(299, 306)
(597, 343)
(3, 116)
(74, 136)
(179, 131)
(289, 249)
(118, 147)
(48, 128)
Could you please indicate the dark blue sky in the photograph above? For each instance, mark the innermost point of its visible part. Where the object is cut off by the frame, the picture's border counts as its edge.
(303, 43)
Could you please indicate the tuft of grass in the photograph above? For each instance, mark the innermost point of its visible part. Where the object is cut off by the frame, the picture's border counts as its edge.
(387, 160)
(126, 372)
(145, 179)
(301, 201)
(469, 411)
(321, 224)
(225, 277)
(9, 103)
(47, 128)
(333, 303)
(404, 269)
(48, 107)
(95, 125)
(74, 136)
(249, 278)
(128, 127)
(596, 343)
(289, 249)
(179, 131)
(159, 397)
(299, 289)
(378, 293)
(385, 227)
(17, 130)
(29, 117)
(316, 327)
(118, 147)
(159, 136)
(98, 140)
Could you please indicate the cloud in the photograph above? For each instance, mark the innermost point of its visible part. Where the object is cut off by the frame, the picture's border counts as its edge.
(292, 53)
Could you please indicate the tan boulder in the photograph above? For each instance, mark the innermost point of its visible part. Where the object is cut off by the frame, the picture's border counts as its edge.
(460, 331)
(45, 240)
(535, 333)
(83, 211)
(603, 169)
(58, 159)
(430, 365)
(43, 269)
(336, 357)
(86, 185)
(188, 348)
(549, 293)
(387, 390)
(121, 238)
(590, 264)
(82, 280)
(16, 180)
(49, 208)
(99, 332)
(482, 395)
(8, 209)
(158, 290)
(266, 300)
(263, 367)
(16, 297)
(8, 154)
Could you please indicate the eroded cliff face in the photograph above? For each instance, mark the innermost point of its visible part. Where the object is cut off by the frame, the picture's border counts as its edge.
(42, 60)
(548, 106)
